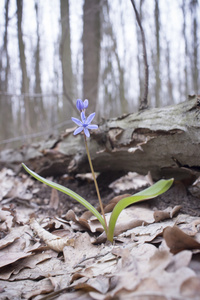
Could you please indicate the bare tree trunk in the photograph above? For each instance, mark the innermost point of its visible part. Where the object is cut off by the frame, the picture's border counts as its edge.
(121, 82)
(25, 79)
(195, 45)
(5, 101)
(157, 66)
(170, 98)
(65, 56)
(38, 101)
(144, 99)
(91, 51)
(186, 48)
(139, 62)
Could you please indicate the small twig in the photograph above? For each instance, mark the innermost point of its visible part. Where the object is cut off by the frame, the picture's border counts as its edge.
(144, 100)
(88, 258)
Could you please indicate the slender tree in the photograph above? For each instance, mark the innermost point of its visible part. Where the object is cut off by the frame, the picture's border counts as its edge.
(91, 50)
(157, 65)
(144, 99)
(23, 66)
(65, 57)
(6, 120)
(195, 43)
(38, 100)
(186, 48)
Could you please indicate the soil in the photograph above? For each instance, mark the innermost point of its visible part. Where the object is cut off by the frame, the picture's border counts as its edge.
(177, 195)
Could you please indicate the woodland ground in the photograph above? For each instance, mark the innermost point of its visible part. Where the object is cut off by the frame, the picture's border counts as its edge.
(155, 254)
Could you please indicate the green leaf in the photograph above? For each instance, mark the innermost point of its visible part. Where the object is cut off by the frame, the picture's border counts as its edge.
(153, 191)
(69, 193)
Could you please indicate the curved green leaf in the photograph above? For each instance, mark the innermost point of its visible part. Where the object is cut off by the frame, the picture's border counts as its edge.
(69, 193)
(153, 191)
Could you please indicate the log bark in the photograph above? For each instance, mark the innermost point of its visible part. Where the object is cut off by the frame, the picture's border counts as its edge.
(164, 141)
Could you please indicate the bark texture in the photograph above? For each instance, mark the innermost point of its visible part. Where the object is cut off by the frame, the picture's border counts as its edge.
(164, 141)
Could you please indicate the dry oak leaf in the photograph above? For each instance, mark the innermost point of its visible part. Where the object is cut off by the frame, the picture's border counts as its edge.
(177, 240)
(168, 213)
(54, 242)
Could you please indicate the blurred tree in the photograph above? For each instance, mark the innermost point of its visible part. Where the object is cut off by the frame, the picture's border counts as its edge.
(6, 120)
(195, 44)
(38, 100)
(65, 57)
(186, 47)
(157, 58)
(25, 78)
(169, 96)
(139, 56)
(91, 50)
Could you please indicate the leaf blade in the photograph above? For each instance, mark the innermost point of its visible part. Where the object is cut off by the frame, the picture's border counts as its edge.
(153, 191)
(69, 192)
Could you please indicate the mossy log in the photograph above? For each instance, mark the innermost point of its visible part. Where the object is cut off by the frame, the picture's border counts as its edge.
(164, 141)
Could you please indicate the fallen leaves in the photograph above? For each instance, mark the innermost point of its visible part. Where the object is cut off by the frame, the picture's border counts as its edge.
(178, 241)
(155, 254)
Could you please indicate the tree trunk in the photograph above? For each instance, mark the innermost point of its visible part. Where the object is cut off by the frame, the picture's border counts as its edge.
(39, 110)
(25, 79)
(164, 141)
(157, 66)
(91, 51)
(65, 56)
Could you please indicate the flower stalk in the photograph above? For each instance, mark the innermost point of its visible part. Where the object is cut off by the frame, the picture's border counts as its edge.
(95, 182)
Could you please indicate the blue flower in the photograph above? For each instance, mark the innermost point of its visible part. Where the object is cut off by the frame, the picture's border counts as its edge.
(81, 105)
(85, 124)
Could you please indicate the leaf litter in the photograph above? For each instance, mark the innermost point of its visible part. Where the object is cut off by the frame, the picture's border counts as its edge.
(64, 255)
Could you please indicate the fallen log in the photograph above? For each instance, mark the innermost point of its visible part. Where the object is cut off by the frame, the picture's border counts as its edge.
(164, 141)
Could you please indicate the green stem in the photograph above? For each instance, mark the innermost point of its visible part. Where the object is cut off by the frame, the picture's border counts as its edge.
(95, 182)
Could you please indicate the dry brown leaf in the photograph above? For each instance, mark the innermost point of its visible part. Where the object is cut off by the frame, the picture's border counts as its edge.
(43, 287)
(13, 186)
(6, 259)
(181, 259)
(178, 241)
(16, 250)
(47, 268)
(54, 200)
(9, 238)
(130, 181)
(168, 213)
(98, 284)
(6, 219)
(190, 288)
(54, 242)
(83, 248)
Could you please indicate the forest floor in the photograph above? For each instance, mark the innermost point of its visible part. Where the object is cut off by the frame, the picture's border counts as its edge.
(155, 255)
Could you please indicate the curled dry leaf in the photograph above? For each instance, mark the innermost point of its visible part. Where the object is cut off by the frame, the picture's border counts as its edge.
(9, 239)
(177, 240)
(168, 213)
(54, 242)
(6, 219)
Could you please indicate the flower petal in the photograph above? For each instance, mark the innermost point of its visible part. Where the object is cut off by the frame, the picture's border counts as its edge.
(86, 131)
(92, 126)
(85, 103)
(78, 130)
(77, 121)
(83, 118)
(90, 118)
(79, 104)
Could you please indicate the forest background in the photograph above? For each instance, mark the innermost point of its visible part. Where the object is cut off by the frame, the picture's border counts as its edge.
(53, 52)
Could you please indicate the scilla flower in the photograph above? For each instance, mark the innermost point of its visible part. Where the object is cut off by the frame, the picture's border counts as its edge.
(81, 105)
(85, 124)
